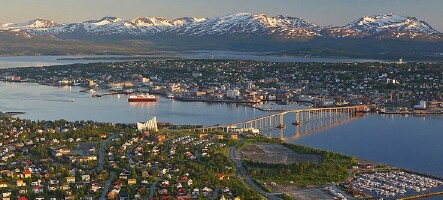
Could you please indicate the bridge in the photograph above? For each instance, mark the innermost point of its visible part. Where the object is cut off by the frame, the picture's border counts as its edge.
(306, 121)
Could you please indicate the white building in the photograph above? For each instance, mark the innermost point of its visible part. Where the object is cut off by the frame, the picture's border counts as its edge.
(421, 106)
(196, 74)
(328, 102)
(393, 81)
(233, 93)
(150, 125)
(305, 98)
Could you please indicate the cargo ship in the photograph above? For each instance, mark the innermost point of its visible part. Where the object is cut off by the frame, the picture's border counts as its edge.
(142, 98)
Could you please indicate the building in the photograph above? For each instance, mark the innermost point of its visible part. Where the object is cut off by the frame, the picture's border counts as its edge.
(91, 83)
(27, 174)
(70, 179)
(150, 125)
(218, 137)
(233, 94)
(392, 81)
(421, 106)
(196, 74)
(132, 181)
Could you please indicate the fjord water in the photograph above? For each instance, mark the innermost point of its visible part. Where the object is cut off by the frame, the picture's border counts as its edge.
(50, 103)
(37, 61)
(409, 142)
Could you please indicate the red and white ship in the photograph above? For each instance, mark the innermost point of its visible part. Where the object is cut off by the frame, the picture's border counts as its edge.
(142, 98)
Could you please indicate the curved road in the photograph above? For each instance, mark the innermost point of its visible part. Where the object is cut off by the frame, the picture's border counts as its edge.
(244, 173)
(101, 156)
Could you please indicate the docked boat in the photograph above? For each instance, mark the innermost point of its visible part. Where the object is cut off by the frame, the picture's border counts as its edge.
(142, 98)
(170, 96)
(297, 123)
(129, 91)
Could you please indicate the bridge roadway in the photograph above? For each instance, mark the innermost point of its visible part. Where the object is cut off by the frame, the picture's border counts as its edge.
(276, 120)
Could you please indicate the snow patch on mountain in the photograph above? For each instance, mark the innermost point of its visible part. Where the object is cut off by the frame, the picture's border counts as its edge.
(384, 23)
(238, 24)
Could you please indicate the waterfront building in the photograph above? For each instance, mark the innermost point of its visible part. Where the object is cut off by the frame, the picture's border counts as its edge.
(421, 106)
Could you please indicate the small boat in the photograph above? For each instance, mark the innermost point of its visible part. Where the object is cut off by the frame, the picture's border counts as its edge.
(281, 126)
(297, 123)
(129, 91)
(142, 98)
(170, 96)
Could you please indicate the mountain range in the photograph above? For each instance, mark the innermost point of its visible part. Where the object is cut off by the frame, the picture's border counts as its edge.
(239, 24)
(242, 31)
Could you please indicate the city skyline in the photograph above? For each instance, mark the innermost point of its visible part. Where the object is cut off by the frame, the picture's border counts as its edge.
(322, 12)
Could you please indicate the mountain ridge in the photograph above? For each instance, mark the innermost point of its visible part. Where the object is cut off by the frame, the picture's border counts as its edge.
(390, 26)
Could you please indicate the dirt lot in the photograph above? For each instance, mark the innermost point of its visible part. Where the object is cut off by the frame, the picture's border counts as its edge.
(311, 193)
(299, 192)
(275, 153)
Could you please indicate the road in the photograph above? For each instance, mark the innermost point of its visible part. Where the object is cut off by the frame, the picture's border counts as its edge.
(152, 189)
(101, 156)
(107, 184)
(215, 194)
(244, 173)
(128, 153)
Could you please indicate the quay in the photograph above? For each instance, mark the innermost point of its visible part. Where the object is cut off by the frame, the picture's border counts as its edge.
(420, 196)
(213, 100)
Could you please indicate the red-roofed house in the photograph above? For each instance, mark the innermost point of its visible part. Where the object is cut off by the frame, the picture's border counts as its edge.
(27, 173)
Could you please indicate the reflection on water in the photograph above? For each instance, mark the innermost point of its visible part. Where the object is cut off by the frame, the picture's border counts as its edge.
(142, 104)
(412, 142)
(309, 123)
(312, 127)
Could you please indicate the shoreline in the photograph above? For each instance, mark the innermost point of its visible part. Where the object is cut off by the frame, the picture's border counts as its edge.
(355, 172)
(245, 103)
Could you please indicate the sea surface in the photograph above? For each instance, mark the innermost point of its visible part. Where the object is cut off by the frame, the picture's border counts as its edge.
(411, 142)
(39, 61)
(41, 102)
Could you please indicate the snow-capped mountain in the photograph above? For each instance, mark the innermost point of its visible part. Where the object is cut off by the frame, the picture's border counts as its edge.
(37, 24)
(240, 24)
(381, 23)
(246, 24)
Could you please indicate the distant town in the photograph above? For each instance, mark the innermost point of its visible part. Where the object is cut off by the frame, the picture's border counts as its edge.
(395, 88)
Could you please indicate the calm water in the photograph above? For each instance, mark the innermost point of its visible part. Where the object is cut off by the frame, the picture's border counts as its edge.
(51, 103)
(257, 56)
(406, 141)
(37, 61)
(34, 61)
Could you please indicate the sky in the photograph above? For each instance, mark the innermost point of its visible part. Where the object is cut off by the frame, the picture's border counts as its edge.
(323, 12)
